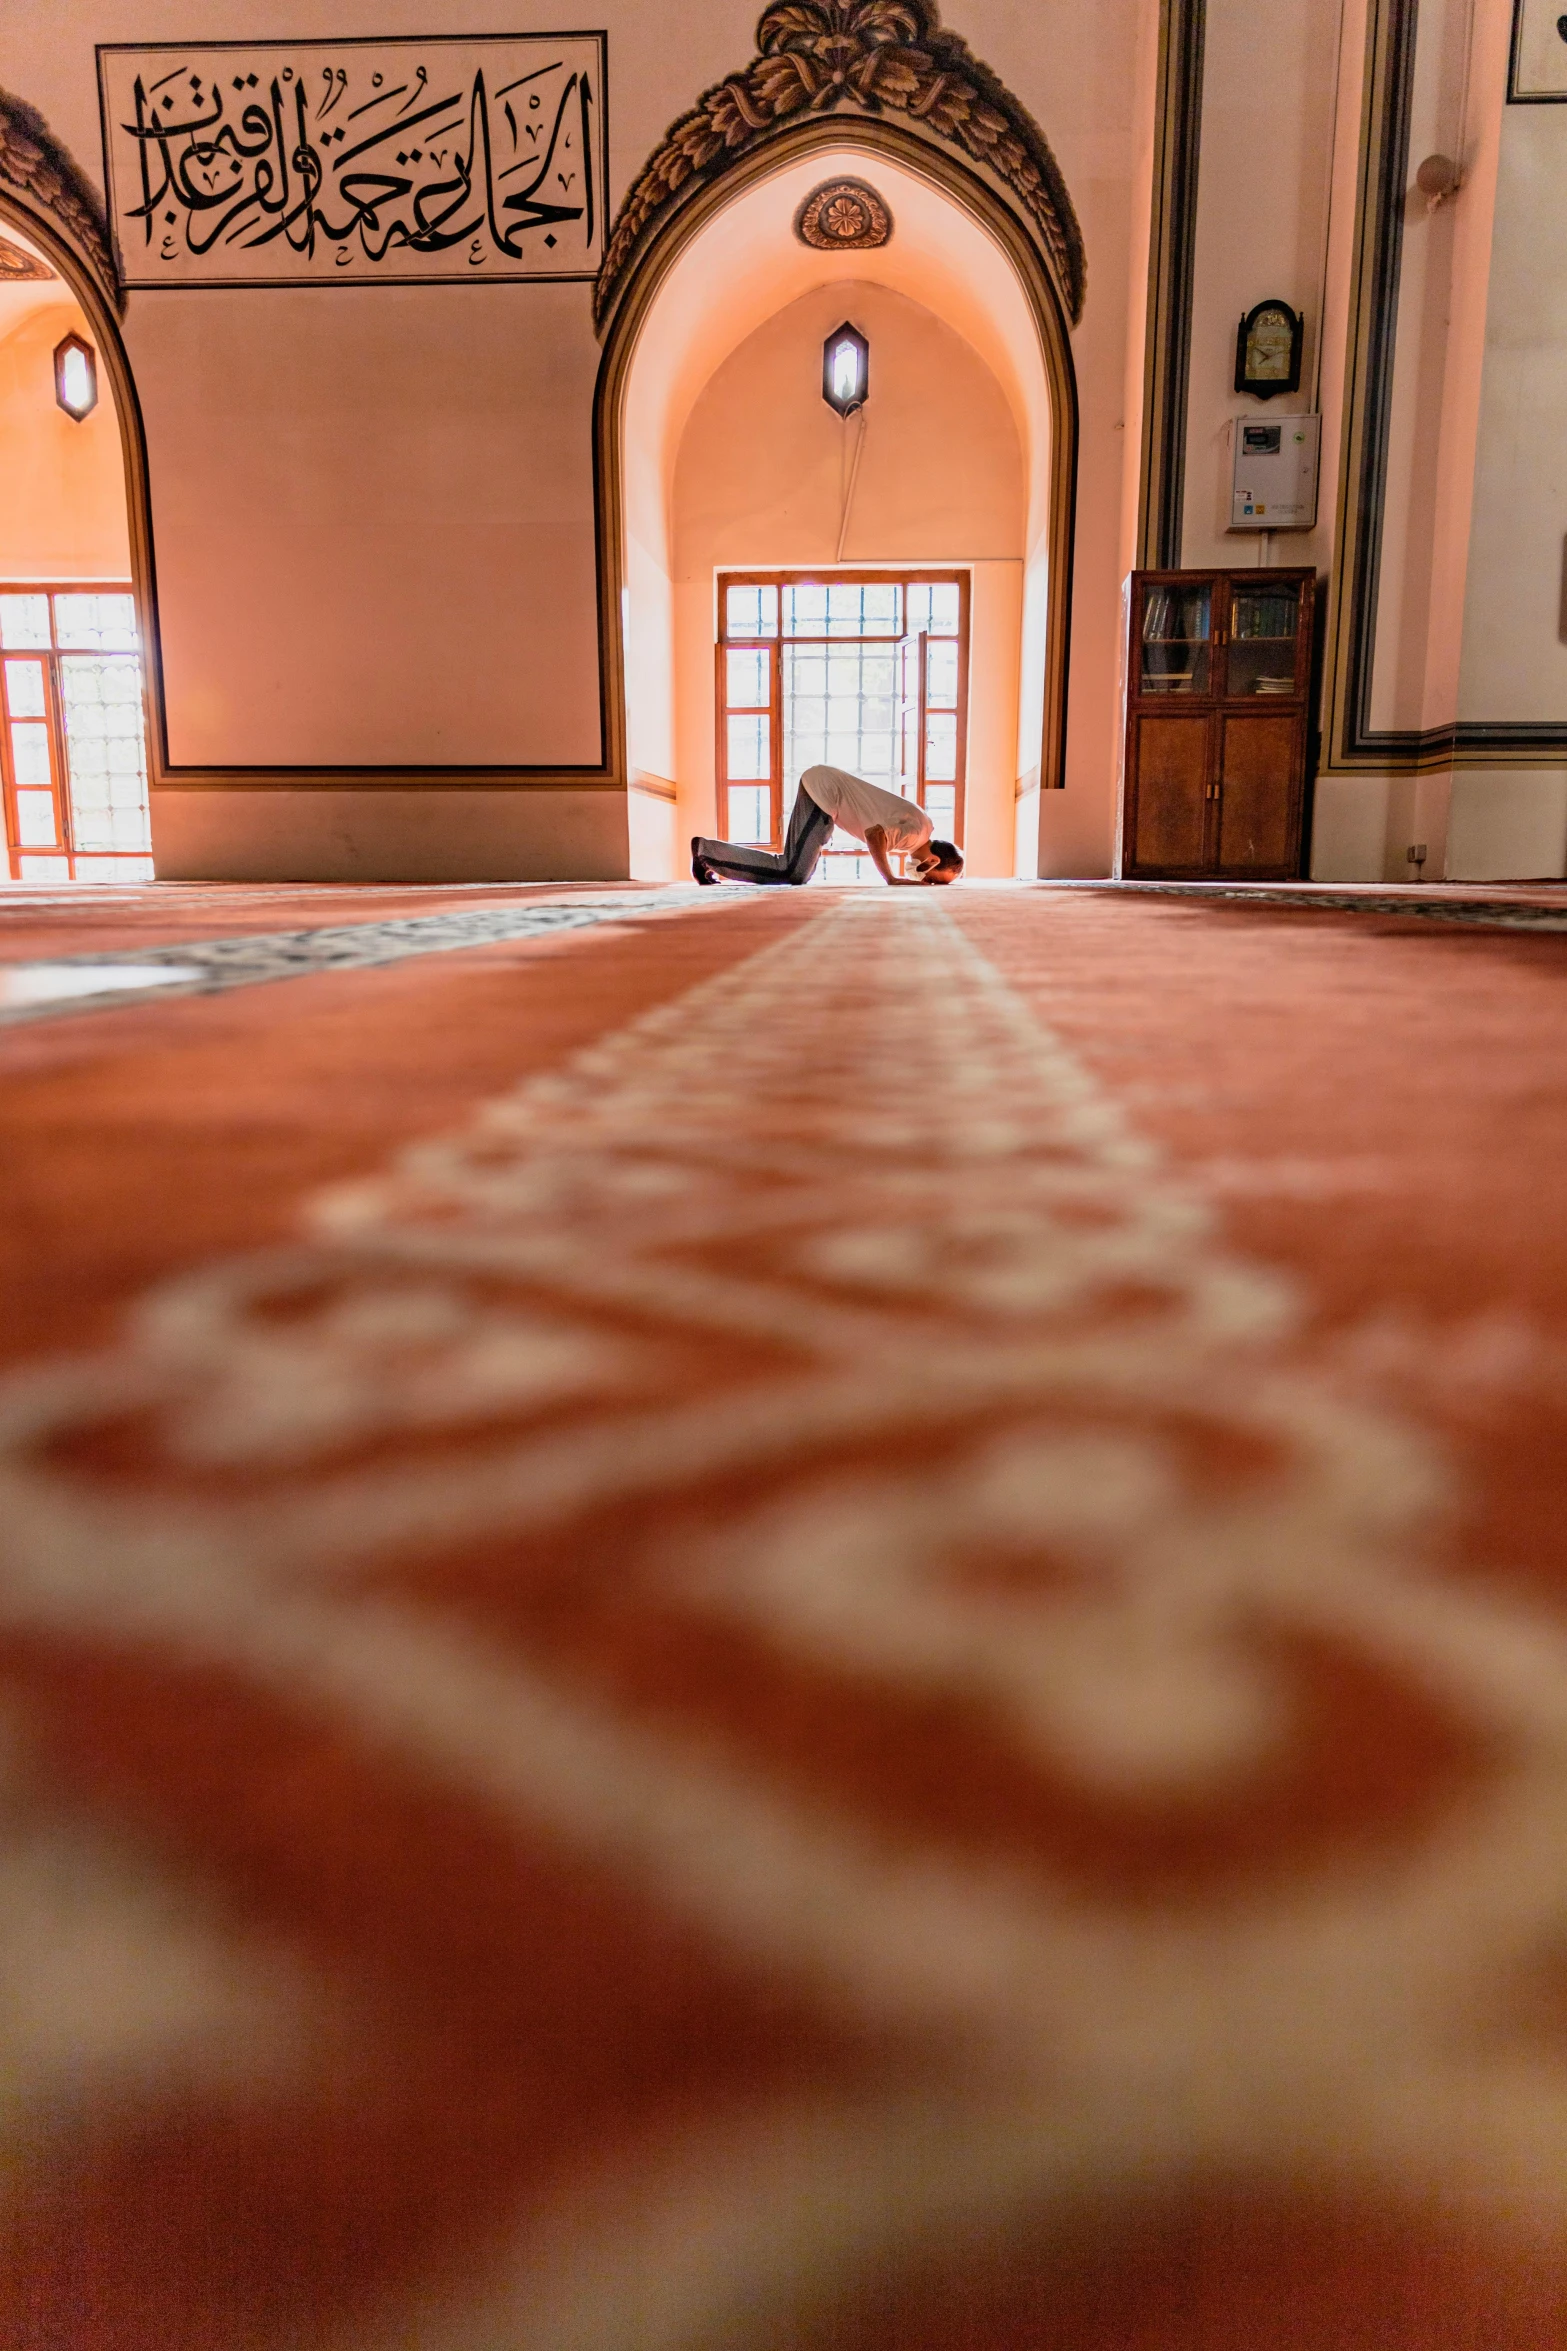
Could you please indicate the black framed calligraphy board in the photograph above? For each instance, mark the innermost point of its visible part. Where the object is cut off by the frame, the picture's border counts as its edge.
(286, 163)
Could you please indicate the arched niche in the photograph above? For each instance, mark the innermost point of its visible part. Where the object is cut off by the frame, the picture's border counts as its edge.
(722, 262)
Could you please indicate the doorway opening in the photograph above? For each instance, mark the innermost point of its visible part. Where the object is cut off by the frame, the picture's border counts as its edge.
(73, 746)
(867, 671)
(73, 725)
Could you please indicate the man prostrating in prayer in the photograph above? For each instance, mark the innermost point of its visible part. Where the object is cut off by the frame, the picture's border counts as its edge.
(888, 825)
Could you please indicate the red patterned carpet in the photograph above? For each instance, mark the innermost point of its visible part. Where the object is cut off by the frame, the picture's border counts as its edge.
(823, 1622)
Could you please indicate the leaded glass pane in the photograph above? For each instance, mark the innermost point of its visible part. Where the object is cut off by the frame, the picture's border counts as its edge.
(941, 805)
(35, 827)
(750, 612)
(24, 689)
(750, 815)
(941, 674)
(96, 624)
(749, 749)
(24, 623)
(105, 750)
(30, 752)
(746, 680)
(941, 746)
(944, 609)
(839, 710)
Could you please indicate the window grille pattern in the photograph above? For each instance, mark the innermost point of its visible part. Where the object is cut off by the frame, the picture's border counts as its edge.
(73, 743)
(867, 672)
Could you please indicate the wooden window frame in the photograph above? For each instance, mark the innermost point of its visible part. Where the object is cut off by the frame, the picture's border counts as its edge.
(798, 576)
(64, 845)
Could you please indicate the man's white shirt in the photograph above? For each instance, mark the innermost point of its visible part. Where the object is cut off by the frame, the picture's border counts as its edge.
(854, 805)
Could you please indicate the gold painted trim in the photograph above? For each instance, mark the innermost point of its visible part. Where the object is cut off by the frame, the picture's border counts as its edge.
(1373, 325)
(656, 787)
(43, 175)
(956, 179)
(1350, 746)
(383, 779)
(83, 282)
(815, 57)
(1172, 246)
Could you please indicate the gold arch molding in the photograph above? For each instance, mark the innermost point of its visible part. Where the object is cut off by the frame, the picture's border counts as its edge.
(883, 61)
(35, 168)
(46, 196)
(669, 205)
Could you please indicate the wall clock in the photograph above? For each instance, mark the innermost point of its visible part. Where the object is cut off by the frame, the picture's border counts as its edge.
(1267, 350)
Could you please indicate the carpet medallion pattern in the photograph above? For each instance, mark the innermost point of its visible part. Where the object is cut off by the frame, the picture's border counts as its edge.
(804, 1717)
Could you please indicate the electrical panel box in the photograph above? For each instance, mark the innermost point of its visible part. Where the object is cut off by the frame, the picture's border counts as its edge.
(1274, 481)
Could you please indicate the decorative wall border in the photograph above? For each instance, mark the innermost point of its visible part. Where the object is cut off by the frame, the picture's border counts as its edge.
(1171, 260)
(1348, 735)
(870, 58)
(35, 167)
(1350, 741)
(45, 196)
(1515, 96)
(99, 304)
(970, 139)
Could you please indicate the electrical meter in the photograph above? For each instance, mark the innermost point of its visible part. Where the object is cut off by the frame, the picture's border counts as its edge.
(1274, 483)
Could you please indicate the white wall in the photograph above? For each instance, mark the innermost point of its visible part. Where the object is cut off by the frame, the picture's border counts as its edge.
(1269, 78)
(1515, 618)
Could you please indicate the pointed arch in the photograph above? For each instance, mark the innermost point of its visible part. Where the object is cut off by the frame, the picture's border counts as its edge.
(885, 61)
(649, 240)
(46, 197)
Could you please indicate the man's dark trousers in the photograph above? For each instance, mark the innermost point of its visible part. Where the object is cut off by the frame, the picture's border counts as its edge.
(810, 830)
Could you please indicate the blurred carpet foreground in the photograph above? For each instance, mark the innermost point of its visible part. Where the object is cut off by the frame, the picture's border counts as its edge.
(797, 1622)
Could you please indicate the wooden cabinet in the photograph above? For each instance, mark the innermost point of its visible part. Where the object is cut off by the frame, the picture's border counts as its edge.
(1218, 679)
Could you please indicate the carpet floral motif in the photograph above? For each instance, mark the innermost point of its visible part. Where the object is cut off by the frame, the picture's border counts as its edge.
(828, 1671)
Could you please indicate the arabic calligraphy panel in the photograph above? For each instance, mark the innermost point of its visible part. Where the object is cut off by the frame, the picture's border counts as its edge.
(326, 162)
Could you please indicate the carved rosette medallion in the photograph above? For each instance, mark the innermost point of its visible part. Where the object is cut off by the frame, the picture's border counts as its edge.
(843, 216)
(887, 60)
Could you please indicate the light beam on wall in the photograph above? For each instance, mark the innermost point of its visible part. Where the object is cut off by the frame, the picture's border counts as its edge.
(846, 369)
(76, 376)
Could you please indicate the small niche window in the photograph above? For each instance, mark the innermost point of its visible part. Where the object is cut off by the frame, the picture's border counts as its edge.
(866, 671)
(73, 737)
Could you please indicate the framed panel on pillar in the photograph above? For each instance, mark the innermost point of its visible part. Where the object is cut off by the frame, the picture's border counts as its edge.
(1218, 681)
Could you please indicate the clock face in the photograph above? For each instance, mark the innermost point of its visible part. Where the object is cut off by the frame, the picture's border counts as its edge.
(1269, 340)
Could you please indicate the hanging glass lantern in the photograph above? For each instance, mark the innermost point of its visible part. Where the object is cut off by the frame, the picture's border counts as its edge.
(846, 369)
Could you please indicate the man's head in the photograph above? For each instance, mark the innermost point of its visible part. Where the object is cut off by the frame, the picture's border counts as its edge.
(938, 862)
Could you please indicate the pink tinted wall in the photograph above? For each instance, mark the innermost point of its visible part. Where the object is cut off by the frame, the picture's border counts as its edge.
(62, 504)
(373, 508)
(374, 523)
(760, 481)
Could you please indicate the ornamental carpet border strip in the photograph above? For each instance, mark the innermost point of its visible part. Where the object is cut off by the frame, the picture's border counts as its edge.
(1479, 913)
(208, 967)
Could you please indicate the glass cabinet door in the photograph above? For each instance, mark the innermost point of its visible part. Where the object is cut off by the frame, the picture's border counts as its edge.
(1175, 655)
(1264, 623)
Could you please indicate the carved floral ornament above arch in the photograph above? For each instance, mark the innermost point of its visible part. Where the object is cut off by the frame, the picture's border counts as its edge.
(876, 58)
(38, 169)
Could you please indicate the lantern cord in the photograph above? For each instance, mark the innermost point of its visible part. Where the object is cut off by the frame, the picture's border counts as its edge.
(854, 475)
